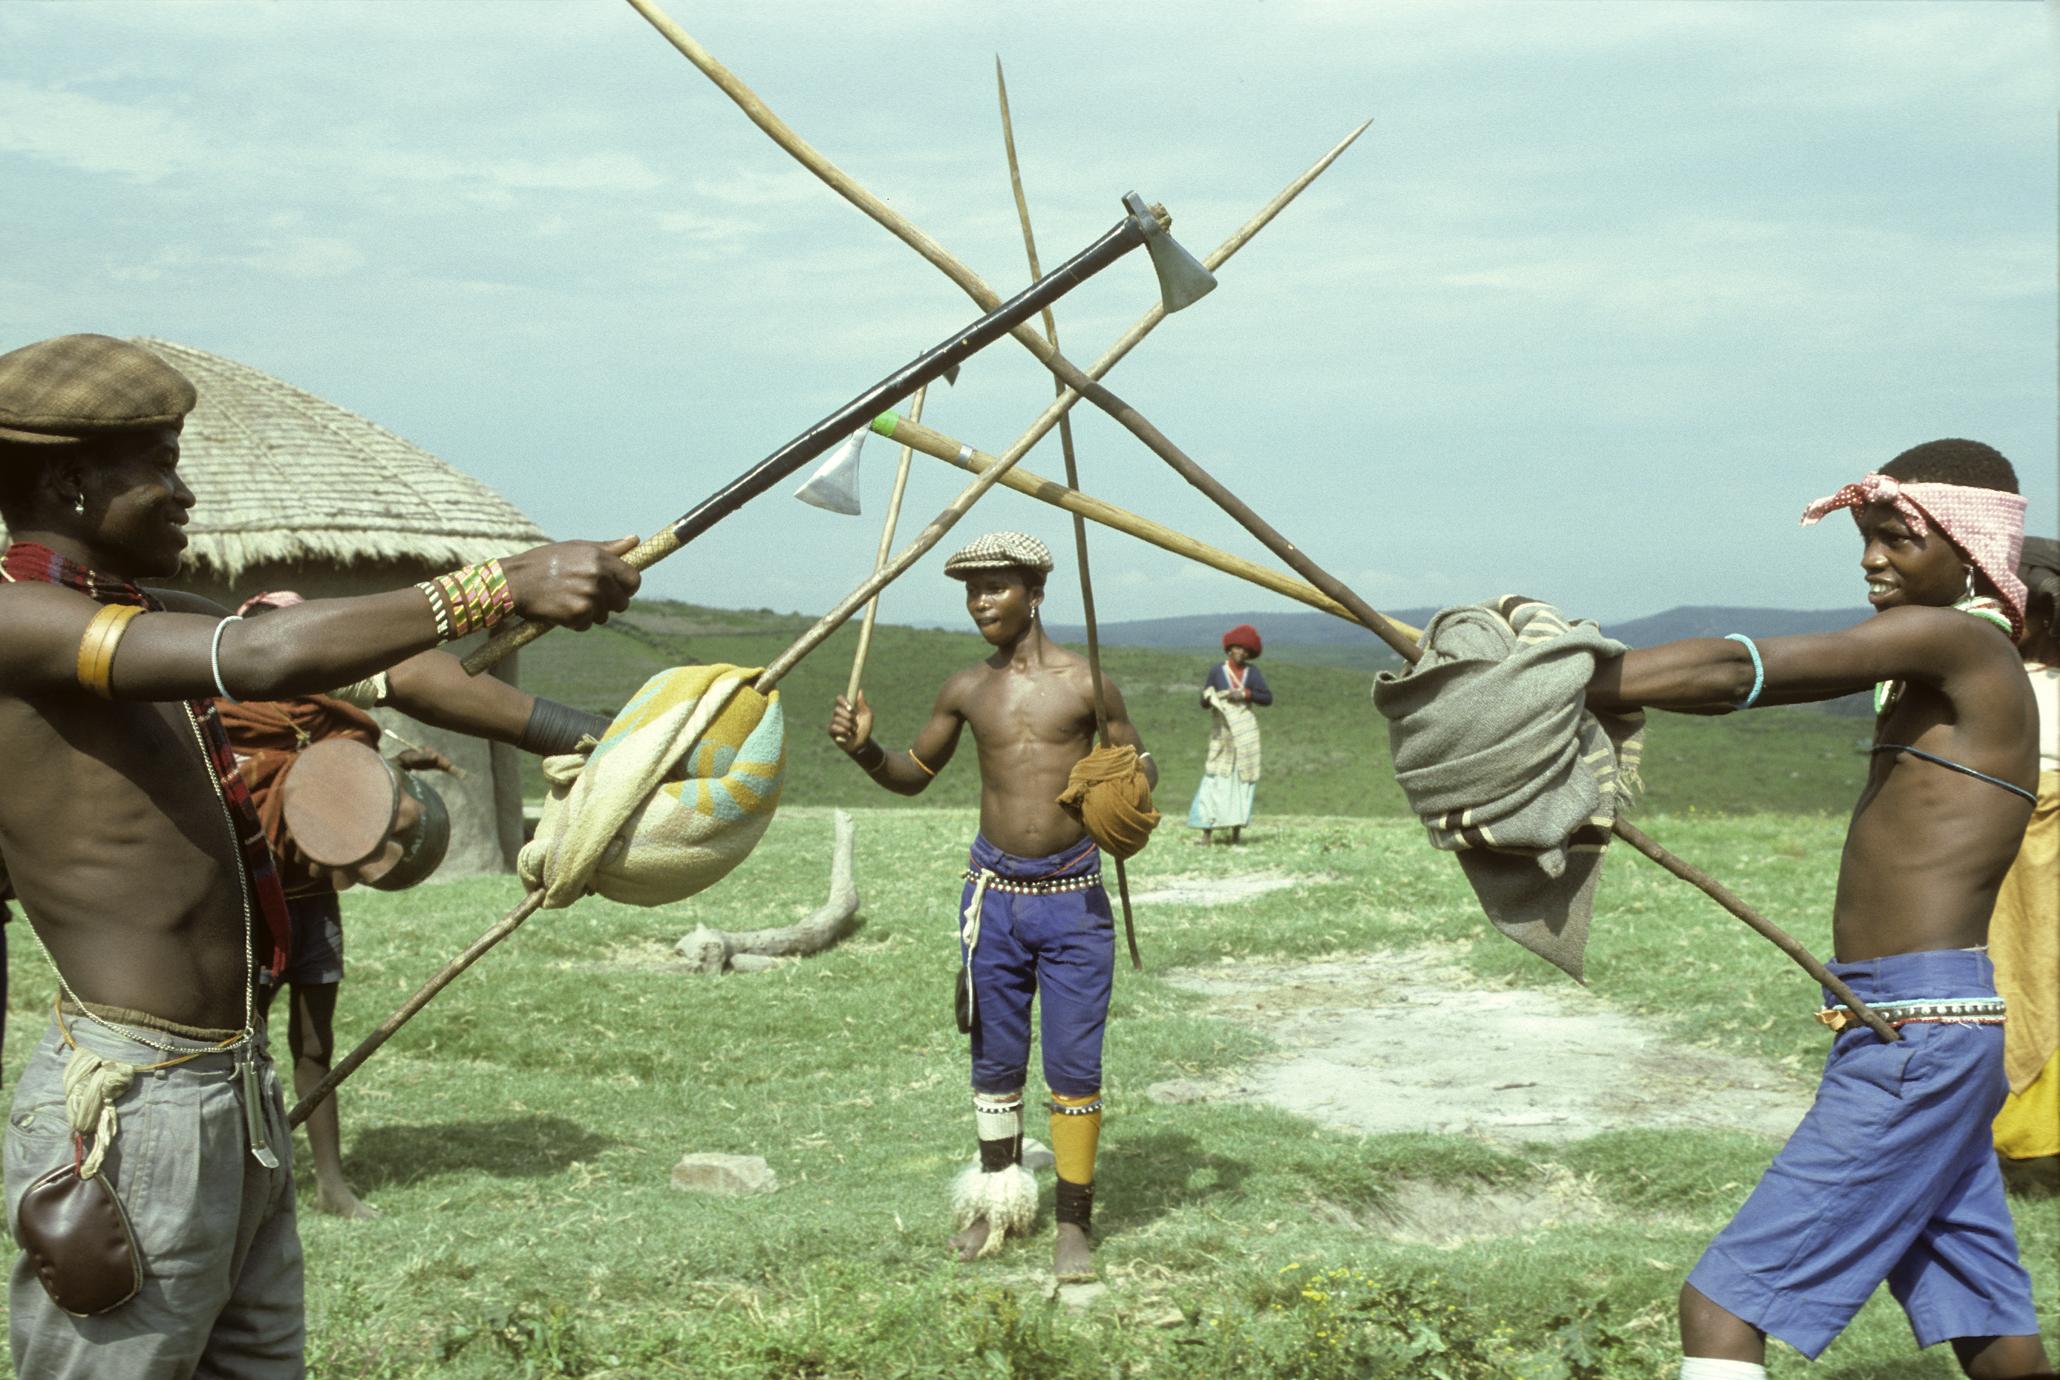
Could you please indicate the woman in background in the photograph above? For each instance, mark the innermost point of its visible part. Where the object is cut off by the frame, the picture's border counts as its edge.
(1230, 777)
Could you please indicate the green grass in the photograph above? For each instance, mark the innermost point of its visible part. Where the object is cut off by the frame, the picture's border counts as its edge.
(1326, 748)
(520, 1132)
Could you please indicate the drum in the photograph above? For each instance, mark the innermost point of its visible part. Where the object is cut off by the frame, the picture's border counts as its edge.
(351, 811)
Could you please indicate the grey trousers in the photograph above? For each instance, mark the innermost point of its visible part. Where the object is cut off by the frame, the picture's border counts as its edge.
(222, 1291)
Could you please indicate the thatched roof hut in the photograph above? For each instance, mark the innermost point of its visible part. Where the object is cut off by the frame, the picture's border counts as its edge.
(297, 493)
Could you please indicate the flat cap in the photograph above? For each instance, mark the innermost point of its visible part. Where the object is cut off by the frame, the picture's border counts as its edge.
(76, 387)
(999, 551)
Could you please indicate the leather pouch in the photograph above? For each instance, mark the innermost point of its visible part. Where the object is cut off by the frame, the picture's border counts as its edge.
(78, 1240)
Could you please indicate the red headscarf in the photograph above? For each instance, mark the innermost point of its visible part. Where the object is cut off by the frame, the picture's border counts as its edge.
(1243, 635)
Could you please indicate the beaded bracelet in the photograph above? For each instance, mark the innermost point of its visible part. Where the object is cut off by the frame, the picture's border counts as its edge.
(438, 609)
(1759, 670)
(476, 596)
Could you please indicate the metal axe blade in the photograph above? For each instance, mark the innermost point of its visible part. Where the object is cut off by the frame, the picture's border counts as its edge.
(834, 485)
(1182, 279)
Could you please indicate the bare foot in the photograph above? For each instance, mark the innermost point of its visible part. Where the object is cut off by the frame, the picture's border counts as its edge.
(1072, 1255)
(967, 1243)
(338, 1201)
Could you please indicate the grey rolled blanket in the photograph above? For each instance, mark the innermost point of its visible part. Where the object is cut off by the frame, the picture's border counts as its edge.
(1499, 756)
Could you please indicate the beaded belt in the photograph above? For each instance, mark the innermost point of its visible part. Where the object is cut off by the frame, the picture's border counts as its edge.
(1969, 1011)
(1050, 886)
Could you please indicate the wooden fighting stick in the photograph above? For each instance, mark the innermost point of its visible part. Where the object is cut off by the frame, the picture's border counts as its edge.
(1158, 443)
(872, 606)
(996, 471)
(1094, 653)
(953, 451)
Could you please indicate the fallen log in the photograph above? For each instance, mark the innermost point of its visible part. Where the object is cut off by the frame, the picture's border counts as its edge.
(713, 951)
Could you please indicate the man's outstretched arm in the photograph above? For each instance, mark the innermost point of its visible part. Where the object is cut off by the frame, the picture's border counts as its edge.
(1926, 645)
(306, 649)
(904, 773)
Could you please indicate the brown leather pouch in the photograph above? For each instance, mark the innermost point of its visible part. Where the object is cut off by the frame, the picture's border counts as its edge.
(78, 1240)
(962, 1004)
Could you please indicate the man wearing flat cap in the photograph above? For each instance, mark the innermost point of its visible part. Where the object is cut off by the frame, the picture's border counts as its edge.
(142, 871)
(1033, 917)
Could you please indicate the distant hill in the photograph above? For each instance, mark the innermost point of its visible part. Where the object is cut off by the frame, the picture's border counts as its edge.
(1318, 639)
(1302, 630)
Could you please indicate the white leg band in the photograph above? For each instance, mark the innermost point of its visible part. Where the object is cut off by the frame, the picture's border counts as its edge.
(1709, 1368)
(998, 1116)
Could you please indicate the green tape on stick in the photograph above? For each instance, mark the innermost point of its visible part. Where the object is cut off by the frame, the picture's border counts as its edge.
(884, 423)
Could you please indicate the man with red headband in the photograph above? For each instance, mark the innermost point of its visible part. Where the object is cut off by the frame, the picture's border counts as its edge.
(1891, 1175)
(150, 1112)
(1230, 775)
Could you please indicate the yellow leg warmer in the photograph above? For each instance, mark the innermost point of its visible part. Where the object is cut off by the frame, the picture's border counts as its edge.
(1076, 1130)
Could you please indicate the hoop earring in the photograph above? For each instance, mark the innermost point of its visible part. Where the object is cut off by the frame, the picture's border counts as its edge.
(1970, 582)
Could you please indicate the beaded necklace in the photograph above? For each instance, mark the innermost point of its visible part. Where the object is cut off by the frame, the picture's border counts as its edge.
(1888, 692)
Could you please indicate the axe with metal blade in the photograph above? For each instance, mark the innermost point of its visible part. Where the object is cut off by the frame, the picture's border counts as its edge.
(1182, 281)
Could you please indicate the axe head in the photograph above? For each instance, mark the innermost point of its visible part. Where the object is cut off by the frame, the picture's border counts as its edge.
(834, 485)
(1182, 279)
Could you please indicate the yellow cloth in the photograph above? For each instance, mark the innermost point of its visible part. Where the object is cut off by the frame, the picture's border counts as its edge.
(2028, 1127)
(2024, 941)
(1108, 793)
(1075, 1138)
(677, 792)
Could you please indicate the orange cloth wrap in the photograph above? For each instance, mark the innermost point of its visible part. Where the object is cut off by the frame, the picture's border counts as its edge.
(1108, 793)
(1075, 1137)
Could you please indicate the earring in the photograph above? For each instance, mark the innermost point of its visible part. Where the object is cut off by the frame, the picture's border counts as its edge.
(1970, 582)
(79, 505)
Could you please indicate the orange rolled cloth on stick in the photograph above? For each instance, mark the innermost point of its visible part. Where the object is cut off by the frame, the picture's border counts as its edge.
(1108, 793)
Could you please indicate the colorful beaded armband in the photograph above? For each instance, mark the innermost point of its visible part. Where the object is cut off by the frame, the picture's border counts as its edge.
(475, 596)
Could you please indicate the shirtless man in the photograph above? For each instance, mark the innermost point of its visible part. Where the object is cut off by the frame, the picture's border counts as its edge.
(1891, 1174)
(1035, 916)
(138, 860)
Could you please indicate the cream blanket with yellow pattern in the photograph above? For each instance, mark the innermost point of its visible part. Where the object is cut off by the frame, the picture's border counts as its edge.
(676, 793)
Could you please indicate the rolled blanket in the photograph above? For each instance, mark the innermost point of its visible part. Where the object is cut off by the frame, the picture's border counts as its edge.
(677, 792)
(1499, 756)
(1108, 793)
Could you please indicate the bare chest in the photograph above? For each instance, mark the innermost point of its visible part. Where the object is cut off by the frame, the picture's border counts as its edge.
(1010, 709)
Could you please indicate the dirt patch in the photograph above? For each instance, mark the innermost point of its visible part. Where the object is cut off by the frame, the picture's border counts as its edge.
(1194, 889)
(1439, 1215)
(1388, 1043)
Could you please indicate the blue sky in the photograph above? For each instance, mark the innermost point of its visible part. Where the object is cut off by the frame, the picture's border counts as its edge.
(1606, 294)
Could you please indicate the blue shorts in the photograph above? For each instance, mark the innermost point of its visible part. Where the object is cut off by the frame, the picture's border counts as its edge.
(1061, 946)
(1890, 1176)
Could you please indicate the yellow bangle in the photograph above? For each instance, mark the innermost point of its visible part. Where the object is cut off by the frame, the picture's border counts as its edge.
(927, 770)
(95, 668)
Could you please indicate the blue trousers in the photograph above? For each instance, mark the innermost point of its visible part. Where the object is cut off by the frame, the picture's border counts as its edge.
(1062, 946)
(1890, 1176)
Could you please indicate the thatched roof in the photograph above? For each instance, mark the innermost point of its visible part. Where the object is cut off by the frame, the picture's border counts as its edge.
(283, 476)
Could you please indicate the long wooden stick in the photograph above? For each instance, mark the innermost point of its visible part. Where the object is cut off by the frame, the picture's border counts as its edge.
(1130, 418)
(500, 930)
(872, 607)
(1037, 430)
(953, 451)
(1097, 694)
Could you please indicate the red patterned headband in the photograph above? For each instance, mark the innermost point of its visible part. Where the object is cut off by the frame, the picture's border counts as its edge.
(1986, 524)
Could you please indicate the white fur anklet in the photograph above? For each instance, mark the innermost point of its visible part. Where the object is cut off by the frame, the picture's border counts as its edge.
(1007, 1199)
(1710, 1368)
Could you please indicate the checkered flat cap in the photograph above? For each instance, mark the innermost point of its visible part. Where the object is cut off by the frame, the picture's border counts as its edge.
(999, 551)
(74, 387)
